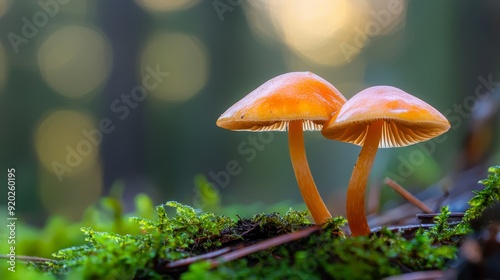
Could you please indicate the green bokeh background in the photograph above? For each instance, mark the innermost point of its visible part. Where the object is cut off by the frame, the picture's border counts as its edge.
(436, 50)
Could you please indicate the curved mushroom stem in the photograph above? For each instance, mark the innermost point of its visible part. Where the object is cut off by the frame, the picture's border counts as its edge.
(356, 216)
(303, 175)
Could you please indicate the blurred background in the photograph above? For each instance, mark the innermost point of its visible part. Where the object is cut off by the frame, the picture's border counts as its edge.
(96, 95)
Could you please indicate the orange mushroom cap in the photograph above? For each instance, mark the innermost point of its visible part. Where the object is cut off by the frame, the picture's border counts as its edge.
(295, 102)
(407, 119)
(379, 117)
(288, 97)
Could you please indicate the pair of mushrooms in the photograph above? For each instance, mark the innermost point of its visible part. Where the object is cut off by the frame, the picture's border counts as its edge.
(377, 117)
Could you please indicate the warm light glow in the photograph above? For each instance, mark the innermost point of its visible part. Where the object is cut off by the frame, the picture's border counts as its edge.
(75, 60)
(185, 59)
(61, 143)
(325, 32)
(307, 25)
(163, 5)
(3, 66)
(70, 197)
(4, 6)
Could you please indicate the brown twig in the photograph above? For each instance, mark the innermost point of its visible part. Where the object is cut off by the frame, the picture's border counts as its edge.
(420, 275)
(231, 253)
(28, 258)
(408, 196)
(252, 228)
(188, 261)
(452, 217)
(275, 241)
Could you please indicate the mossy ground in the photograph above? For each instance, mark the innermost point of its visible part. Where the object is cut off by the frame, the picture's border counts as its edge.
(142, 247)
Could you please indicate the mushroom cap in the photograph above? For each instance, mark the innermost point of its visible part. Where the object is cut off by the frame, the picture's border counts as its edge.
(288, 97)
(407, 119)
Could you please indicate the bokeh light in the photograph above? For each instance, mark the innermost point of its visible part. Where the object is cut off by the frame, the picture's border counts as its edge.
(62, 81)
(65, 143)
(71, 196)
(3, 66)
(311, 29)
(324, 32)
(4, 6)
(170, 5)
(185, 59)
(75, 60)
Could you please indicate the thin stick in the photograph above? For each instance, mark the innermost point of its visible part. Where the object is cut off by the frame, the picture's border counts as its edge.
(28, 258)
(408, 196)
(420, 275)
(275, 241)
(188, 261)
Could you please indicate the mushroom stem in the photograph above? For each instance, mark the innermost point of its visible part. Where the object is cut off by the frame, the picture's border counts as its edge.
(303, 175)
(356, 215)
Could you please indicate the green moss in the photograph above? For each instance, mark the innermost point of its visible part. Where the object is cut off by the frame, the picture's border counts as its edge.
(119, 247)
(114, 256)
(328, 255)
(442, 232)
(483, 199)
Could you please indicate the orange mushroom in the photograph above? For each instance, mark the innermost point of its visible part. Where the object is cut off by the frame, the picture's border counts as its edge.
(379, 117)
(295, 102)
